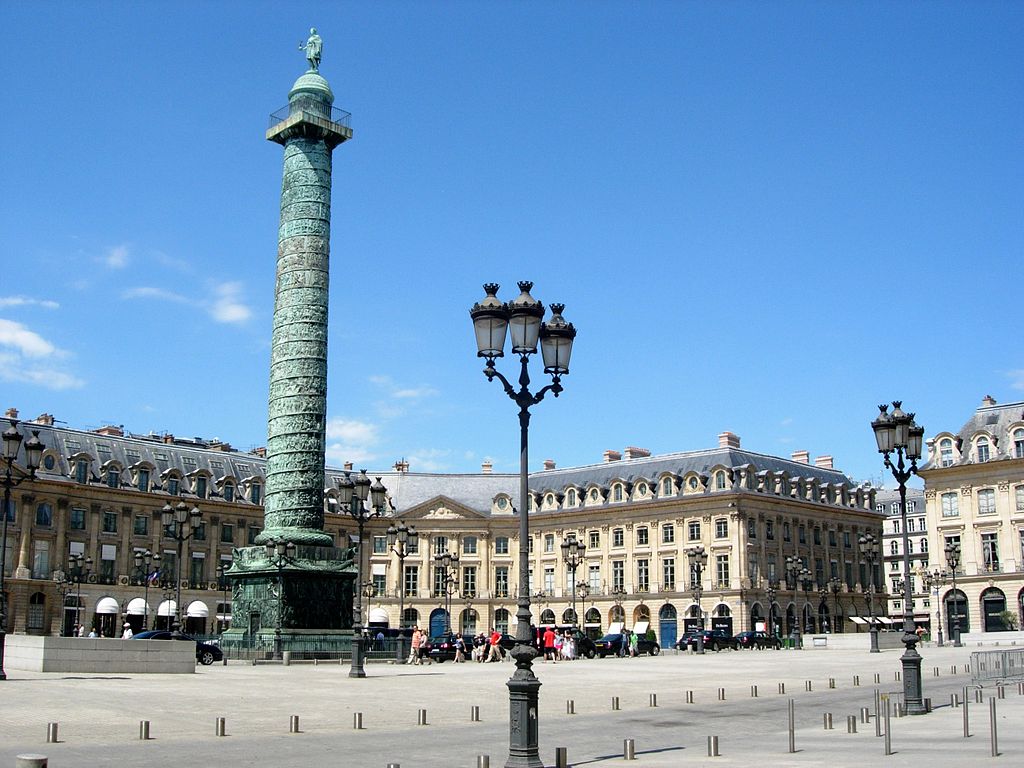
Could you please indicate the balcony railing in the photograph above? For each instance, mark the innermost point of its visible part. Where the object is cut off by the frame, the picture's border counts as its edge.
(314, 108)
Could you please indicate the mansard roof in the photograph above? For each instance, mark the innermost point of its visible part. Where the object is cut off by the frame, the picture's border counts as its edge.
(989, 419)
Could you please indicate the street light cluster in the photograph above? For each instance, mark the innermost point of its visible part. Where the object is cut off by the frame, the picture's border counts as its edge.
(181, 524)
(698, 561)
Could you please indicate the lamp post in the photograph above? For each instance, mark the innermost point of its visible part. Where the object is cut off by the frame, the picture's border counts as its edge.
(806, 582)
(181, 524)
(79, 568)
(898, 433)
(369, 592)
(572, 556)
(146, 559)
(869, 549)
(447, 565)
(770, 593)
(222, 577)
(793, 568)
(823, 623)
(352, 496)
(835, 586)
(33, 457)
(698, 559)
(492, 321)
(953, 562)
(402, 541)
(279, 553)
(933, 580)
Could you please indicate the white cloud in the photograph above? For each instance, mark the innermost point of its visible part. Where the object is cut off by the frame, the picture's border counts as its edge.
(351, 440)
(227, 306)
(1016, 378)
(25, 301)
(429, 460)
(116, 257)
(28, 358)
(150, 292)
(786, 422)
(414, 393)
(25, 342)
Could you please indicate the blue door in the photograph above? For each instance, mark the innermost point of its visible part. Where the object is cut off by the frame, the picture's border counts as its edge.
(438, 622)
(668, 629)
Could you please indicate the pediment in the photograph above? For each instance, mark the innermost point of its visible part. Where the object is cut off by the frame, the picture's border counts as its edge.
(442, 508)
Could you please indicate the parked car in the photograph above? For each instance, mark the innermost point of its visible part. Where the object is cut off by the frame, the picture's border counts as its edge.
(206, 653)
(714, 639)
(611, 644)
(442, 648)
(759, 640)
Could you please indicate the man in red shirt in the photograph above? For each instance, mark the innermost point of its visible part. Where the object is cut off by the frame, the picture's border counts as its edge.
(495, 654)
(549, 644)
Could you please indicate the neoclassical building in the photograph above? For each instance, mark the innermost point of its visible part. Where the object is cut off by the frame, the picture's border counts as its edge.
(100, 494)
(974, 495)
(887, 503)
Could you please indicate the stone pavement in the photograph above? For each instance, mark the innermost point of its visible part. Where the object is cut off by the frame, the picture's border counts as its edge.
(99, 715)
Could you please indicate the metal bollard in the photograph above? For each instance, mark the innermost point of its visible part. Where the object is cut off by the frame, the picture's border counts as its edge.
(1000, 691)
(286, 658)
(689, 697)
(143, 730)
(792, 726)
(897, 676)
(220, 726)
(483, 761)
(878, 713)
(807, 685)
(713, 746)
(1020, 689)
(967, 717)
(827, 721)
(935, 672)
(954, 700)
(927, 705)
(570, 707)
(831, 682)
(394, 765)
(421, 717)
(888, 730)
(31, 761)
(851, 723)
(615, 702)
(51, 733)
(978, 696)
(474, 714)
(753, 691)
(628, 749)
(952, 669)
(561, 757)
(865, 715)
(357, 721)
(856, 679)
(293, 724)
(993, 736)
(878, 678)
(782, 687)
(721, 694)
(653, 700)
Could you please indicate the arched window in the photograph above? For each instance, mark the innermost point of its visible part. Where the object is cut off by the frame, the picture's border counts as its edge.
(894, 548)
(550, 499)
(617, 492)
(666, 486)
(570, 497)
(1018, 443)
(946, 452)
(981, 447)
(501, 620)
(720, 480)
(924, 544)
(547, 616)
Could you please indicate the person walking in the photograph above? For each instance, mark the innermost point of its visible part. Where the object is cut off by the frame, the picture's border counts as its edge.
(549, 644)
(634, 644)
(460, 648)
(417, 638)
(495, 652)
(127, 633)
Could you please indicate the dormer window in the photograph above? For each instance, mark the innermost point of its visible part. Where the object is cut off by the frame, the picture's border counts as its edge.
(201, 487)
(617, 492)
(229, 491)
(256, 493)
(946, 452)
(1018, 443)
(570, 497)
(113, 477)
(642, 489)
(720, 481)
(982, 448)
(666, 486)
(173, 486)
(142, 481)
(550, 499)
(81, 471)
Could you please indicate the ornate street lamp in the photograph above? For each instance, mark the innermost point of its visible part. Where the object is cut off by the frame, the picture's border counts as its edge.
(447, 566)
(279, 554)
(897, 433)
(869, 549)
(572, 556)
(143, 561)
(835, 586)
(793, 567)
(181, 524)
(402, 541)
(33, 457)
(352, 496)
(492, 322)
(953, 562)
(63, 584)
(806, 582)
(698, 560)
(79, 569)
(933, 580)
(770, 593)
(225, 582)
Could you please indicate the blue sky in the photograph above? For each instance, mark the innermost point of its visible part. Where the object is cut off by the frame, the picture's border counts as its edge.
(762, 217)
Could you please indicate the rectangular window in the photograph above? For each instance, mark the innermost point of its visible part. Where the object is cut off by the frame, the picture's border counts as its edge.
(411, 580)
(618, 574)
(642, 537)
(772, 567)
(469, 581)
(955, 541)
(252, 534)
(143, 480)
(200, 533)
(753, 568)
(81, 471)
(618, 537)
(1018, 497)
(9, 556)
(173, 486)
(227, 533)
(501, 545)
(846, 539)
(693, 530)
(201, 485)
(229, 492)
(831, 538)
(950, 507)
(9, 511)
(44, 515)
(751, 529)
(668, 533)
(721, 528)
(990, 552)
(722, 570)
(848, 573)
(501, 581)
(594, 577)
(549, 581)
(643, 575)
(549, 542)
(108, 561)
(595, 539)
(380, 545)
(439, 582)
(380, 585)
(109, 522)
(801, 532)
(256, 493)
(817, 535)
(40, 560)
(786, 535)
(769, 530)
(668, 574)
(986, 502)
(141, 525)
(197, 570)
(819, 572)
(469, 545)
(440, 545)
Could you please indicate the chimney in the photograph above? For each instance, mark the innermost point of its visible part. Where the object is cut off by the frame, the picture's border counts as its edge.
(632, 452)
(347, 466)
(45, 419)
(801, 457)
(261, 451)
(986, 402)
(217, 445)
(111, 431)
(549, 464)
(610, 456)
(12, 413)
(400, 466)
(486, 467)
(168, 438)
(728, 440)
(824, 462)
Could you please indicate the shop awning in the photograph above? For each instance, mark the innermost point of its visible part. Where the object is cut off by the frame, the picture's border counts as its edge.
(197, 610)
(108, 605)
(166, 608)
(137, 607)
(378, 616)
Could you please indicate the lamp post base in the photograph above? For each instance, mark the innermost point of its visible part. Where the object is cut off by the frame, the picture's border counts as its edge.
(912, 694)
(524, 699)
(874, 640)
(357, 656)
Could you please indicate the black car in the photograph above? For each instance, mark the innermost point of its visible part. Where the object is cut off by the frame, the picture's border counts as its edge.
(759, 640)
(442, 648)
(206, 653)
(612, 644)
(714, 639)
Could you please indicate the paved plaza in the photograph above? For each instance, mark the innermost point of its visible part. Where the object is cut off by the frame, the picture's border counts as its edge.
(99, 715)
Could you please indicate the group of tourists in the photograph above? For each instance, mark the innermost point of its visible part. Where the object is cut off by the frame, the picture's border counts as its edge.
(558, 645)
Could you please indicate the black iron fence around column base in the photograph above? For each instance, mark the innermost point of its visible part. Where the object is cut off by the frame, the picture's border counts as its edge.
(309, 647)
